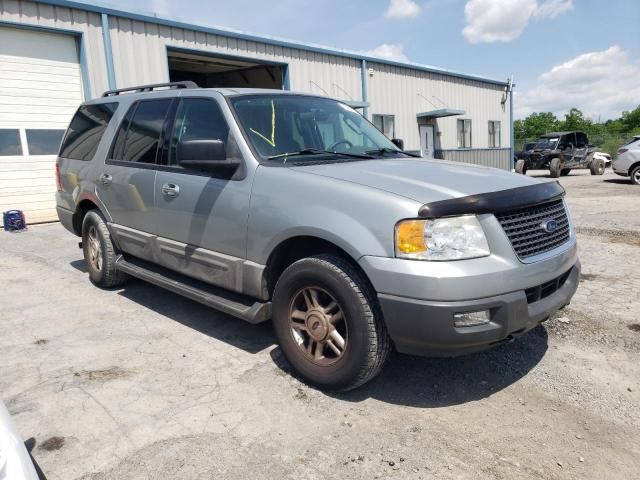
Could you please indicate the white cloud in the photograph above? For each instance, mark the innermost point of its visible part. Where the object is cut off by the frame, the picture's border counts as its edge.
(389, 51)
(553, 8)
(505, 20)
(399, 9)
(601, 84)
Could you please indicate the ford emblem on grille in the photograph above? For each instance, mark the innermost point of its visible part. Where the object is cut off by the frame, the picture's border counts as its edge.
(549, 226)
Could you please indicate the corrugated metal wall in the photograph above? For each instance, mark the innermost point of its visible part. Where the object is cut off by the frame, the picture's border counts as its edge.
(494, 157)
(405, 92)
(140, 56)
(48, 16)
(139, 53)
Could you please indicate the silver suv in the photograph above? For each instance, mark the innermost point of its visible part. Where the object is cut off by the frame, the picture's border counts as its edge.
(274, 205)
(627, 163)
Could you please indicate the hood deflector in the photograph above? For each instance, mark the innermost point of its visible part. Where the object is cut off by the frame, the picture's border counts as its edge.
(494, 202)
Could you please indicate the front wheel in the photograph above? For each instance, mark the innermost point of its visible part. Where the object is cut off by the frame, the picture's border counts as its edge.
(555, 167)
(597, 167)
(521, 167)
(328, 323)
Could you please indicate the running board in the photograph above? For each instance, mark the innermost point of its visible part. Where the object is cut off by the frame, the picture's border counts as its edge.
(231, 303)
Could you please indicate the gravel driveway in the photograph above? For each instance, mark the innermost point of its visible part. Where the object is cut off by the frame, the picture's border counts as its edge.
(139, 383)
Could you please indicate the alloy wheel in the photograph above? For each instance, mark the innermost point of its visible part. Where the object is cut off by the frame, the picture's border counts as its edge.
(94, 249)
(318, 325)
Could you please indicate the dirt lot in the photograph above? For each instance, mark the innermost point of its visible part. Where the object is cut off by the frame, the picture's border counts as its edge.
(139, 383)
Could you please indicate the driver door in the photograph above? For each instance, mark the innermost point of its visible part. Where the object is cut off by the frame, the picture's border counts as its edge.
(202, 216)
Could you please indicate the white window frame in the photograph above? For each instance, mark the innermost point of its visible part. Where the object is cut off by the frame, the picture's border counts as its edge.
(382, 117)
(462, 143)
(493, 141)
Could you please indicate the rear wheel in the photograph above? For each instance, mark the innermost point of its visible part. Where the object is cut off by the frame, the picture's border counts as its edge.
(99, 251)
(521, 167)
(635, 175)
(554, 167)
(329, 324)
(565, 171)
(597, 167)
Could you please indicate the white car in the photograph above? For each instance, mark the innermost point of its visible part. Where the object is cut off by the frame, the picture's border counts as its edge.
(15, 462)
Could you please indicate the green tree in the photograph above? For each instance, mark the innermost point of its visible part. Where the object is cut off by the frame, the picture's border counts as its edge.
(574, 120)
(535, 125)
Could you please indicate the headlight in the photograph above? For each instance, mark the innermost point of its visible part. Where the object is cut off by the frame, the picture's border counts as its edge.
(453, 238)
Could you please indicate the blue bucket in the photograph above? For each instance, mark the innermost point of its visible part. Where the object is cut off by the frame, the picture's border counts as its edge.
(14, 221)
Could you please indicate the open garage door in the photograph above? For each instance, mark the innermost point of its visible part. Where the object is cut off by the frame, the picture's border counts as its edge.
(216, 71)
(40, 89)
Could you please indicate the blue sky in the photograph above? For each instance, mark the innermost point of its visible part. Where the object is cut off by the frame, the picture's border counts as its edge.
(562, 53)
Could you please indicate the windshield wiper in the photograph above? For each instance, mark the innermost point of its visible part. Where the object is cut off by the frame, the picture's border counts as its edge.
(383, 150)
(315, 151)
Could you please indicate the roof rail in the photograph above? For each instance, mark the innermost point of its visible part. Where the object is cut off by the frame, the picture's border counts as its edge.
(150, 88)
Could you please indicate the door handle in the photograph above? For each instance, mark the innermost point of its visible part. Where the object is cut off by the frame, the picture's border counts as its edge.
(106, 179)
(170, 190)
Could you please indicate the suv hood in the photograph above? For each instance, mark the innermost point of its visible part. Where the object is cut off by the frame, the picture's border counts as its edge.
(424, 181)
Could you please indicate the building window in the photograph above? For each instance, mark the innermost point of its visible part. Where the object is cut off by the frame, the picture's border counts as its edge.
(464, 133)
(386, 124)
(494, 134)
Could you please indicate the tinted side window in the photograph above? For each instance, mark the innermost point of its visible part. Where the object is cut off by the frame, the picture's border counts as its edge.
(85, 132)
(581, 140)
(140, 142)
(44, 142)
(10, 142)
(197, 119)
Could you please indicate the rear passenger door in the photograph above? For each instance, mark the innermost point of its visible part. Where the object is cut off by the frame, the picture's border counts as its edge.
(126, 185)
(202, 217)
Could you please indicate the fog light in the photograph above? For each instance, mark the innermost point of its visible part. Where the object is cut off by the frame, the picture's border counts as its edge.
(472, 319)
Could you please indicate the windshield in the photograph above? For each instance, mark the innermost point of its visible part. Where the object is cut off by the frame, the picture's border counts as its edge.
(306, 127)
(544, 142)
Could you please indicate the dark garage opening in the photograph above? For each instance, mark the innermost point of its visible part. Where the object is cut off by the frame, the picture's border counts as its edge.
(214, 71)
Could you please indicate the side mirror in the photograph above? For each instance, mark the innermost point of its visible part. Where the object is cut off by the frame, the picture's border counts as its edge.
(398, 142)
(203, 154)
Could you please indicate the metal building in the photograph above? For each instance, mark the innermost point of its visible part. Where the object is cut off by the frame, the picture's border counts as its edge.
(55, 53)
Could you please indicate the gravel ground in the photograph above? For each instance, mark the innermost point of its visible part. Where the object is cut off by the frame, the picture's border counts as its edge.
(139, 383)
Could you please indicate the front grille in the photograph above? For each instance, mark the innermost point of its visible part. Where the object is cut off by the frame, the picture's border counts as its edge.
(523, 226)
(549, 288)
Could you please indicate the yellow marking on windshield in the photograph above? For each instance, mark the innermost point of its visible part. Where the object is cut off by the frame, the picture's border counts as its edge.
(271, 141)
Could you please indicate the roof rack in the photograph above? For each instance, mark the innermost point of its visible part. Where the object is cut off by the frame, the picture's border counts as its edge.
(150, 88)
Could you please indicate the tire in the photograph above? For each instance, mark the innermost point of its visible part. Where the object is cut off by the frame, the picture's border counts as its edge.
(635, 175)
(365, 344)
(565, 171)
(521, 167)
(99, 252)
(554, 167)
(597, 167)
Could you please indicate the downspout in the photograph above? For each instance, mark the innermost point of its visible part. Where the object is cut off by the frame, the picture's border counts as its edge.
(365, 96)
(108, 53)
(513, 147)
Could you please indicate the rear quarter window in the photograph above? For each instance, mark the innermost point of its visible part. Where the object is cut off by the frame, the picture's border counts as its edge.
(86, 130)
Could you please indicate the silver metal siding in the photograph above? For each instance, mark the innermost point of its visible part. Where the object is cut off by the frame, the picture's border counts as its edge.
(41, 15)
(402, 91)
(139, 51)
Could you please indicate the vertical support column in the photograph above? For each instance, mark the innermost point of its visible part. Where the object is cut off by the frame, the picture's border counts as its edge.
(108, 53)
(84, 68)
(513, 147)
(286, 80)
(365, 95)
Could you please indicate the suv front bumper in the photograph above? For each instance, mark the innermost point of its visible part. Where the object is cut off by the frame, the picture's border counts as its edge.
(419, 300)
(421, 327)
